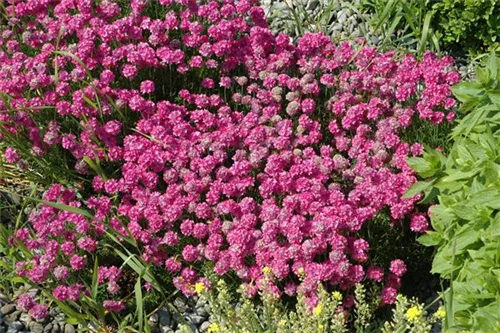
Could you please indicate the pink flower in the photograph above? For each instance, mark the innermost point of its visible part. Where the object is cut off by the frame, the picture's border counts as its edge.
(77, 262)
(389, 295)
(61, 273)
(375, 273)
(38, 311)
(398, 267)
(147, 87)
(11, 155)
(419, 223)
(113, 306)
(25, 302)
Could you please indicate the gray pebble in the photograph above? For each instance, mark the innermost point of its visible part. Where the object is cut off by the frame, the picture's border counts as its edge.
(195, 319)
(154, 318)
(37, 328)
(164, 316)
(180, 304)
(48, 328)
(25, 318)
(204, 326)
(7, 309)
(60, 317)
(202, 311)
(68, 328)
(15, 327)
(165, 329)
(55, 328)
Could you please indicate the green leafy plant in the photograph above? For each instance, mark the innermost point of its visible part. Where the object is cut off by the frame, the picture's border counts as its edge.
(404, 25)
(472, 25)
(272, 315)
(466, 220)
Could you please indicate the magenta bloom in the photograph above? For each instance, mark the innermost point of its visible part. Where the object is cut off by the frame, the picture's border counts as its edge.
(398, 267)
(389, 295)
(11, 155)
(25, 302)
(113, 306)
(419, 223)
(38, 311)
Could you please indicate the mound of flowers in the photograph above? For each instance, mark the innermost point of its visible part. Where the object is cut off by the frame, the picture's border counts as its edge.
(205, 137)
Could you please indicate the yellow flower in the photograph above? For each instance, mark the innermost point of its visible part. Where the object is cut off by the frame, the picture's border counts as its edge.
(213, 328)
(321, 328)
(266, 270)
(413, 313)
(301, 271)
(282, 322)
(199, 287)
(440, 313)
(318, 310)
(336, 295)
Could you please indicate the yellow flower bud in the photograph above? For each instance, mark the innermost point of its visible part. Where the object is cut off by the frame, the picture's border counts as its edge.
(414, 313)
(199, 287)
(440, 313)
(337, 295)
(213, 328)
(318, 310)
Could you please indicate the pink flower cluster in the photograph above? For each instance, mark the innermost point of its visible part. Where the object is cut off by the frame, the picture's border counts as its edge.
(266, 154)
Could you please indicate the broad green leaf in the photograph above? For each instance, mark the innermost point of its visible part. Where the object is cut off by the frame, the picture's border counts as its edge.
(430, 238)
(467, 91)
(418, 187)
(494, 96)
(422, 166)
(465, 237)
(483, 75)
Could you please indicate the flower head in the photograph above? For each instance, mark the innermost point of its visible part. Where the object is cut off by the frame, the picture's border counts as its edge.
(414, 313)
(213, 328)
(318, 310)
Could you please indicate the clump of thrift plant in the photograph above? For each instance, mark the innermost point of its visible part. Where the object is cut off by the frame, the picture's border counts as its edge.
(205, 137)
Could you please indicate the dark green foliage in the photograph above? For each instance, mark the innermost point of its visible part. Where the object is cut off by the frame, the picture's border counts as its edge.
(470, 25)
(466, 221)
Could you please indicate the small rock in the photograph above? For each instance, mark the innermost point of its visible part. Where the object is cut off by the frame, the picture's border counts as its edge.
(164, 316)
(15, 327)
(202, 312)
(25, 318)
(165, 329)
(68, 328)
(60, 317)
(48, 328)
(201, 302)
(180, 304)
(204, 326)
(37, 328)
(195, 319)
(7, 309)
(16, 314)
(154, 318)
(55, 328)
